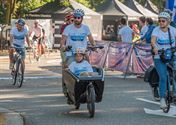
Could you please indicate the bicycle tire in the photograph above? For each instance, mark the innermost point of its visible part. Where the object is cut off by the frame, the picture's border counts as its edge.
(14, 73)
(20, 73)
(91, 100)
(166, 110)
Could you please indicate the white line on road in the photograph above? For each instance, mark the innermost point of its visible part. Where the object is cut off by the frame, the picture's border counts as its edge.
(59, 77)
(36, 77)
(4, 57)
(171, 113)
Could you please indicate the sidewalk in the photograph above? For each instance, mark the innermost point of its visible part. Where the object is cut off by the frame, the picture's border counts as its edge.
(8, 117)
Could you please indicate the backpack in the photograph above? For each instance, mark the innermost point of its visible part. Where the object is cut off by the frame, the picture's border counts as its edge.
(148, 34)
(151, 76)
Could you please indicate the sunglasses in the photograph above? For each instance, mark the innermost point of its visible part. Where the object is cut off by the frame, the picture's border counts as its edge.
(163, 21)
(77, 18)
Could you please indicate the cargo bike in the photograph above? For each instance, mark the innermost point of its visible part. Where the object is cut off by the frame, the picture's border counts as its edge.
(84, 89)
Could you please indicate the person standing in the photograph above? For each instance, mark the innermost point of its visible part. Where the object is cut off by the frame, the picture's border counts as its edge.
(125, 34)
(144, 28)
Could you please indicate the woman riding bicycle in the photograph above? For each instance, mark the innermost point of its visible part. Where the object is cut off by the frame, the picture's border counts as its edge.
(160, 40)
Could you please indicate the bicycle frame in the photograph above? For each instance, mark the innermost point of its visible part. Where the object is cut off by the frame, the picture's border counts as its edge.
(18, 69)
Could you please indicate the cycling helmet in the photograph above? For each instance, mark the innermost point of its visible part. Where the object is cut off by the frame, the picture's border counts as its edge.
(21, 22)
(164, 15)
(80, 51)
(78, 13)
(69, 16)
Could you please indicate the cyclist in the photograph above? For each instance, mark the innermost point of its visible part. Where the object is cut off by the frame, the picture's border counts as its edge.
(160, 39)
(81, 66)
(69, 19)
(76, 35)
(37, 34)
(18, 35)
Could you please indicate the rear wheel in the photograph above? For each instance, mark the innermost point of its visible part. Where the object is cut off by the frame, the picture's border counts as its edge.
(166, 110)
(91, 100)
(64, 88)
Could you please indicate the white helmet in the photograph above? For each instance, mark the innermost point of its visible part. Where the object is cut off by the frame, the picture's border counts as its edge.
(78, 13)
(80, 51)
(164, 15)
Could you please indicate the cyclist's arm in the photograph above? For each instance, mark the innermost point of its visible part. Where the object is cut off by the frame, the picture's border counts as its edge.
(153, 44)
(63, 41)
(28, 41)
(90, 37)
(11, 39)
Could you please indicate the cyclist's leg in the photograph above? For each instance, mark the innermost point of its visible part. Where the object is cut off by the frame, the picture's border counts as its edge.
(11, 51)
(162, 72)
(23, 55)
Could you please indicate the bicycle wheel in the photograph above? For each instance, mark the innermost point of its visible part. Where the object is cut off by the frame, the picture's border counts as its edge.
(14, 73)
(166, 110)
(20, 73)
(64, 88)
(91, 100)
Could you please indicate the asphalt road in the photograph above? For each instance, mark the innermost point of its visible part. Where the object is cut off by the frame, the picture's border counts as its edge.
(41, 102)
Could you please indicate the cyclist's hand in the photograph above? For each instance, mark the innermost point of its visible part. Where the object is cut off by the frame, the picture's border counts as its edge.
(155, 50)
(63, 48)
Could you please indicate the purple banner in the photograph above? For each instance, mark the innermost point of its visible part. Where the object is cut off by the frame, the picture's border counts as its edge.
(98, 57)
(125, 57)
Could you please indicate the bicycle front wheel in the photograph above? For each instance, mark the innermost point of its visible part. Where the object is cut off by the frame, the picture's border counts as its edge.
(91, 100)
(20, 73)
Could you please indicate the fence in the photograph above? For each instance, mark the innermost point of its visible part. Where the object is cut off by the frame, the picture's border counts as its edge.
(125, 57)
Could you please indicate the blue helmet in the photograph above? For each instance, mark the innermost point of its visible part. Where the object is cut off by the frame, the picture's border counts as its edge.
(78, 13)
(21, 22)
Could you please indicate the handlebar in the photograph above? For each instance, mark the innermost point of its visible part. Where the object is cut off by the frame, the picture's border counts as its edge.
(89, 48)
(162, 51)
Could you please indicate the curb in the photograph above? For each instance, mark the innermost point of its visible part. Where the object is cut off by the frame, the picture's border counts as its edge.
(8, 117)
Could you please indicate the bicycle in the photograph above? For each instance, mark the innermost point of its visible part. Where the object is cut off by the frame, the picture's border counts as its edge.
(17, 71)
(169, 58)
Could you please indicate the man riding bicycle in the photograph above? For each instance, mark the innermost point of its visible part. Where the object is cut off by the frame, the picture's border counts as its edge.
(162, 40)
(18, 35)
(75, 35)
(36, 34)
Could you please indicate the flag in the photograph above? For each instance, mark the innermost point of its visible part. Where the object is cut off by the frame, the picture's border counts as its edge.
(174, 12)
(171, 4)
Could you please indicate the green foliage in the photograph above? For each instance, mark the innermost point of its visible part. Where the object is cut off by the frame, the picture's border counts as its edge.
(2, 13)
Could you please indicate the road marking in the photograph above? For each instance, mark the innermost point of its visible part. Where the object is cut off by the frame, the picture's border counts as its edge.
(59, 77)
(35, 77)
(4, 57)
(171, 113)
(54, 61)
(120, 76)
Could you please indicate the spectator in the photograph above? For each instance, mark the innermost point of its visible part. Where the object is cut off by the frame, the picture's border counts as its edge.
(135, 29)
(142, 23)
(151, 26)
(125, 34)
